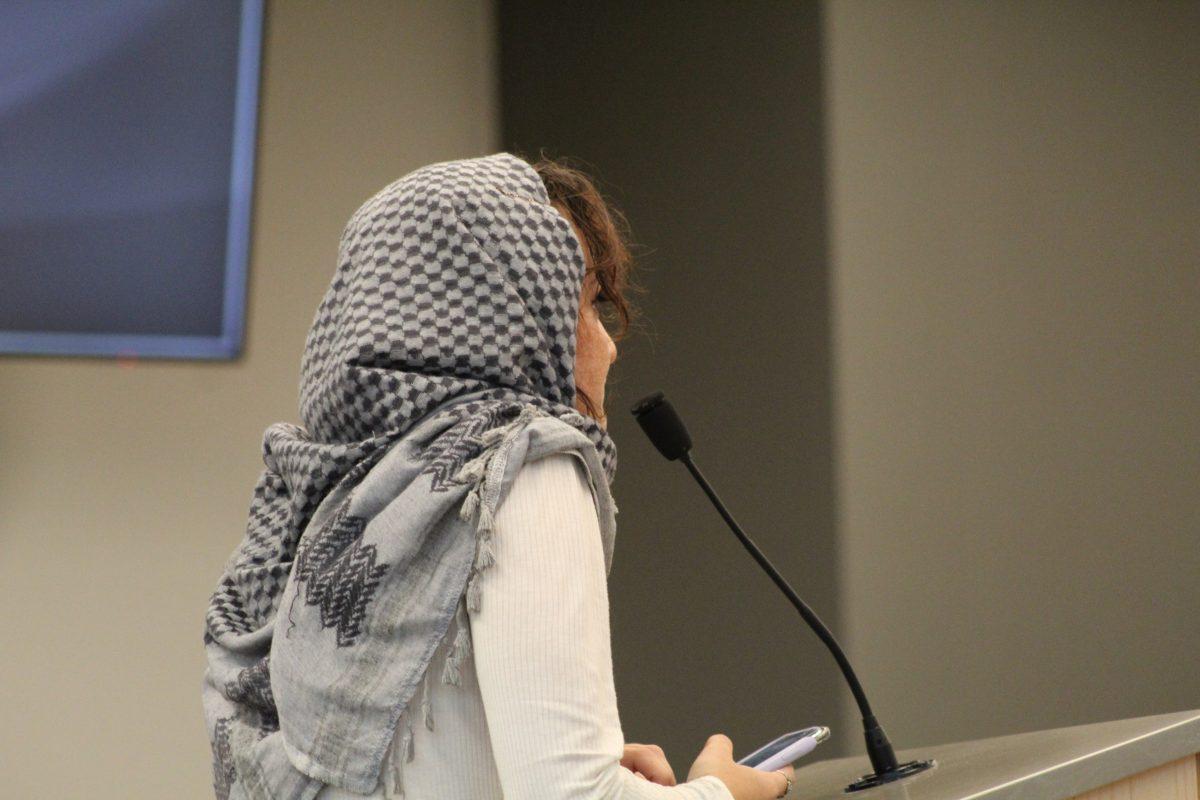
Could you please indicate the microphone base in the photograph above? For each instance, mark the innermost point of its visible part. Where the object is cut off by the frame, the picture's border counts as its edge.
(877, 779)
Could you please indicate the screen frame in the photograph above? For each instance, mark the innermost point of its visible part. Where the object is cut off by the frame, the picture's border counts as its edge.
(228, 344)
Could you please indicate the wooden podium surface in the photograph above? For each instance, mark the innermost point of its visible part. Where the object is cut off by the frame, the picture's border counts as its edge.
(1147, 758)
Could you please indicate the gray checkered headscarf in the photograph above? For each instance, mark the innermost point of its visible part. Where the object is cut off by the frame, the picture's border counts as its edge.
(440, 359)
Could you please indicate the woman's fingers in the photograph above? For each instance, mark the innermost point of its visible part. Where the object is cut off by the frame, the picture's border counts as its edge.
(787, 775)
(650, 762)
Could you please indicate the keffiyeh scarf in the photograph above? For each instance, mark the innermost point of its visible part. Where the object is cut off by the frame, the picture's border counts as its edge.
(440, 359)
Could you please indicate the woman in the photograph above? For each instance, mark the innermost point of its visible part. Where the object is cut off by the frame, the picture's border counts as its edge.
(457, 362)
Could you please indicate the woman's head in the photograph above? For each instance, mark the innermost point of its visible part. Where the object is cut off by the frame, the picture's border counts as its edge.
(464, 278)
(604, 310)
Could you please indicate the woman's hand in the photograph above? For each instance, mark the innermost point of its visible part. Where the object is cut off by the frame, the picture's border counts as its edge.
(744, 783)
(648, 761)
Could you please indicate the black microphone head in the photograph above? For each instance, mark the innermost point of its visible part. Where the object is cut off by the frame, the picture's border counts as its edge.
(664, 427)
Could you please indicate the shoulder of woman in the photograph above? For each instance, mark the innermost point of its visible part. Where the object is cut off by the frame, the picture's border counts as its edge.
(550, 497)
(553, 492)
(561, 472)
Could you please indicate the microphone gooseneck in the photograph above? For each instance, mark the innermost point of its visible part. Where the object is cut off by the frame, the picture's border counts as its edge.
(670, 437)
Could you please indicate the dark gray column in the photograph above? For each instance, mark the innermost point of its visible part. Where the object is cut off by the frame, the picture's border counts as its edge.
(703, 122)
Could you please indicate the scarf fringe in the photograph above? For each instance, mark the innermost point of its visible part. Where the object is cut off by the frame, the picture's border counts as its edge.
(459, 650)
(426, 701)
(393, 785)
(480, 498)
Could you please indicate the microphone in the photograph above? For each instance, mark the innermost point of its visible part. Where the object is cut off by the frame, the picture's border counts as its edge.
(670, 437)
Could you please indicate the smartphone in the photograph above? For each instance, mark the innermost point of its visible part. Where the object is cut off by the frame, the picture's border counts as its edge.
(786, 749)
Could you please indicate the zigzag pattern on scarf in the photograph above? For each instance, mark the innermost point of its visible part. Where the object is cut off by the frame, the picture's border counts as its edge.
(448, 454)
(339, 574)
(253, 687)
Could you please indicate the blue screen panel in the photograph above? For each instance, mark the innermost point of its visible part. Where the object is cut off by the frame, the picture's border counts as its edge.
(127, 135)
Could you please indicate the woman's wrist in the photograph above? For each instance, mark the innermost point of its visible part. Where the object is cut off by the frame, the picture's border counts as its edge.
(715, 788)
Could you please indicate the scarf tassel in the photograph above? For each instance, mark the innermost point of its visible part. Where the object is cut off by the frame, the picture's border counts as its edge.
(405, 743)
(393, 788)
(473, 592)
(459, 649)
(480, 498)
(426, 701)
(485, 556)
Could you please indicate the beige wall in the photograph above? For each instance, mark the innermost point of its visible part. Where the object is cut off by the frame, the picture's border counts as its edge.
(122, 491)
(1016, 290)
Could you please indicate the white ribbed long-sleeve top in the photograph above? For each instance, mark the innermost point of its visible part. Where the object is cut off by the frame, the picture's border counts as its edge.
(535, 715)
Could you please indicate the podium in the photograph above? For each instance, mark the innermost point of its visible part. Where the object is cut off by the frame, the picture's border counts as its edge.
(1146, 758)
